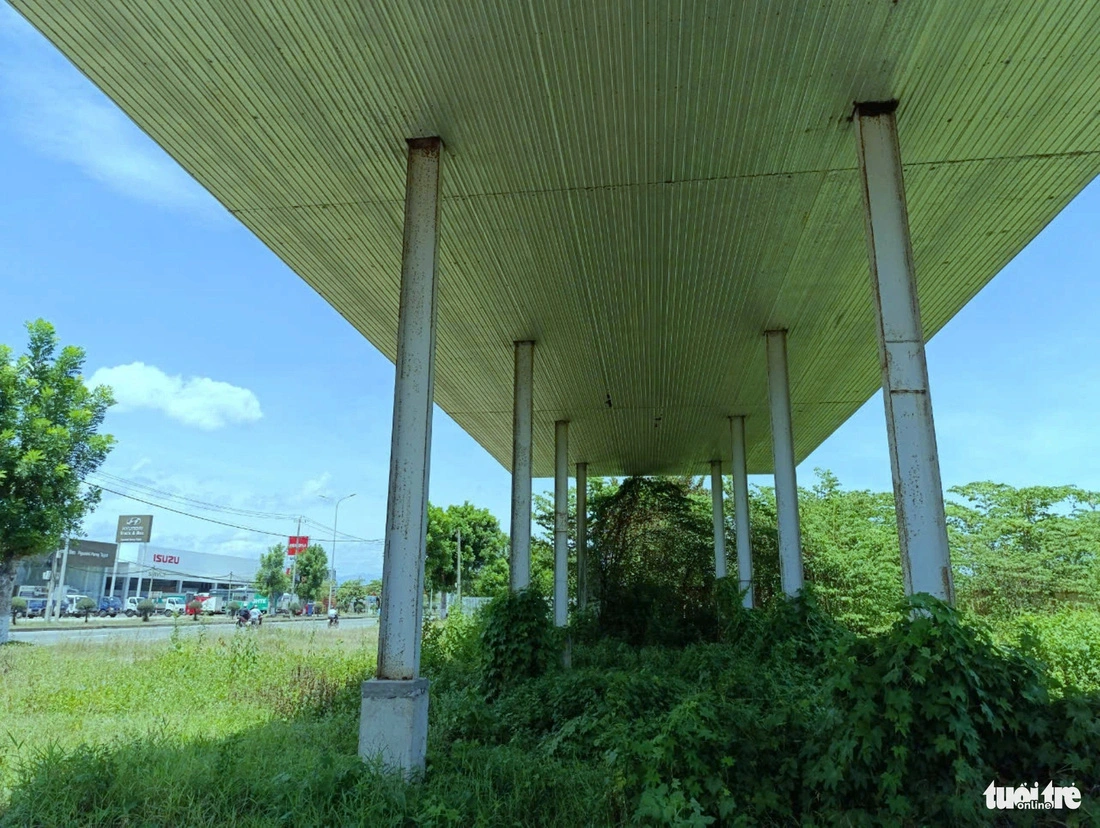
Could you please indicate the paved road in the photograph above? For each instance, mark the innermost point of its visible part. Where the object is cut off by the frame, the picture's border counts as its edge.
(159, 632)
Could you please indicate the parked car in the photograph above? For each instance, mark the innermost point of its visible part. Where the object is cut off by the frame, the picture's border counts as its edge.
(36, 607)
(109, 606)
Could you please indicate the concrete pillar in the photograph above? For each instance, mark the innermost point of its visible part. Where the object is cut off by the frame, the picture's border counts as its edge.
(719, 519)
(914, 459)
(582, 536)
(394, 721)
(561, 523)
(786, 484)
(741, 509)
(519, 561)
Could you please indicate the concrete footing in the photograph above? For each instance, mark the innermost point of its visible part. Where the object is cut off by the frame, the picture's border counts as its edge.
(394, 723)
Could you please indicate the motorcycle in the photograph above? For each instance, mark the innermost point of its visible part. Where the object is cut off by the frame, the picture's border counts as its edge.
(334, 620)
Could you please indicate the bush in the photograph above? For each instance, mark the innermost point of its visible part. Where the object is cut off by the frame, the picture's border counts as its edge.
(233, 607)
(195, 609)
(1067, 643)
(18, 608)
(146, 608)
(517, 640)
(84, 607)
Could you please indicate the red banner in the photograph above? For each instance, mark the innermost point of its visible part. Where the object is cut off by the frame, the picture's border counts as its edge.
(298, 543)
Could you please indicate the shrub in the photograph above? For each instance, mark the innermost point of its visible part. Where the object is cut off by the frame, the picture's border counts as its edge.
(84, 607)
(517, 640)
(18, 607)
(146, 608)
(195, 608)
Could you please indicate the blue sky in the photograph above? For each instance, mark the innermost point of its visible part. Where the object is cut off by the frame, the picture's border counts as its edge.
(240, 386)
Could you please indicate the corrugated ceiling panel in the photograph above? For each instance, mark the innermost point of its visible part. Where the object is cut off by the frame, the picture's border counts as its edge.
(643, 188)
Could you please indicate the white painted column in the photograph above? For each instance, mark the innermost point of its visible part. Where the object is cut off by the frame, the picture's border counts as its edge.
(914, 459)
(582, 536)
(519, 560)
(741, 509)
(719, 518)
(561, 523)
(786, 483)
(394, 721)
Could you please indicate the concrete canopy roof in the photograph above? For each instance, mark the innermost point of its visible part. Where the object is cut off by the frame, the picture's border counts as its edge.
(642, 188)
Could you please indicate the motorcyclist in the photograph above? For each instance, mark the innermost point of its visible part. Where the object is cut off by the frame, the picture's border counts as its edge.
(254, 615)
(242, 616)
(333, 616)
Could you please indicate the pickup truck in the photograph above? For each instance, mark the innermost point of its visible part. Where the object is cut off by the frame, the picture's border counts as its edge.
(109, 606)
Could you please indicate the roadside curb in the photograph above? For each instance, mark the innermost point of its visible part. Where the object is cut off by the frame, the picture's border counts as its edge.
(182, 622)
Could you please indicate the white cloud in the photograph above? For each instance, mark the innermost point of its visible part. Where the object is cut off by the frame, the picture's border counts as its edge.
(61, 114)
(197, 401)
(312, 489)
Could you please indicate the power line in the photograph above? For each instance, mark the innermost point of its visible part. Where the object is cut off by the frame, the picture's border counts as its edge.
(214, 507)
(222, 522)
(202, 504)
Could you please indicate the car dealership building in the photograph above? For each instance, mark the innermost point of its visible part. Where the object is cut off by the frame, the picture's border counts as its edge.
(96, 568)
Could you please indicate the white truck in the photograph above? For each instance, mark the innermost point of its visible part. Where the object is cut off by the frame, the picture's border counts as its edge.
(132, 602)
(211, 604)
(172, 605)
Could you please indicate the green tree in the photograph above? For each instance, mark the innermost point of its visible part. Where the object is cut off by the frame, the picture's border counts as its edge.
(312, 570)
(850, 552)
(49, 442)
(484, 549)
(350, 593)
(1028, 549)
(654, 561)
(271, 578)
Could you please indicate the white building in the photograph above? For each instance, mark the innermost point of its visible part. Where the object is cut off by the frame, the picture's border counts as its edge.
(167, 571)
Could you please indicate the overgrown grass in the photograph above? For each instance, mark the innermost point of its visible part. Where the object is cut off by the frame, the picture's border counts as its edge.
(790, 719)
(57, 699)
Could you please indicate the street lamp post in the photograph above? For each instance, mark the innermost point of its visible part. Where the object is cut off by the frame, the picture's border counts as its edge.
(335, 518)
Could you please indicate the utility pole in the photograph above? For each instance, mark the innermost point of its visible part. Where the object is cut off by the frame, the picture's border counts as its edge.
(458, 596)
(48, 614)
(335, 518)
(141, 571)
(64, 567)
(294, 567)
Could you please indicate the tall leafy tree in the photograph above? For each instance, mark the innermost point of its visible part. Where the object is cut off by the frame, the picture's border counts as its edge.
(312, 571)
(271, 578)
(351, 592)
(1024, 549)
(484, 548)
(49, 442)
(851, 553)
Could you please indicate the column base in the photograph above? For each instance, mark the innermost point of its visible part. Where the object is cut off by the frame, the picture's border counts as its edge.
(393, 724)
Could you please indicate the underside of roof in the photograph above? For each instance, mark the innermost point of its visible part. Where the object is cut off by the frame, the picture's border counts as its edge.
(642, 188)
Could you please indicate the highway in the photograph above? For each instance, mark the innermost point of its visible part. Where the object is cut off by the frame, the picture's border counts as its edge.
(161, 631)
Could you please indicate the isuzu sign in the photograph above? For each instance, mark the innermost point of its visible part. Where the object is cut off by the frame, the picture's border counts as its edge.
(166, 559)
(134, 528)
